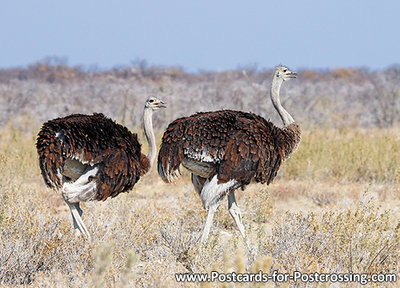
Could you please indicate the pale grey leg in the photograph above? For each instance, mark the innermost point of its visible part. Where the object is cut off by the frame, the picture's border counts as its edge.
(235, 213)
(76, 213)
(208, 224)
(211, 194)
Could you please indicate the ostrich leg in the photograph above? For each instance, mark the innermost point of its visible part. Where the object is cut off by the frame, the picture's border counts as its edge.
(82, 189)
(235, 212)
(208, 224)
(76, 213)
(212, 194)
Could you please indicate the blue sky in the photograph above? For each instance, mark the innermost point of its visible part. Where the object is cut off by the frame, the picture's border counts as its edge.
(202, 35)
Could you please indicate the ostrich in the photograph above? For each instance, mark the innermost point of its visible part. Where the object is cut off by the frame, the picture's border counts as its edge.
(226, 149)
(90, 157)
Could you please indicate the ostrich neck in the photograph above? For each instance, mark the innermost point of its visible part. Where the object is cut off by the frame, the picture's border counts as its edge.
(285, 116)
(148, 131)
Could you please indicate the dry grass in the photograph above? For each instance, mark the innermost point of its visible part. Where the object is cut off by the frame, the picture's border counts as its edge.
(334, 208)
(347, 155)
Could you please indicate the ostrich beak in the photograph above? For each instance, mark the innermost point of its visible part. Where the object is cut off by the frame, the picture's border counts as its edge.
(161, 104)
(292, 75)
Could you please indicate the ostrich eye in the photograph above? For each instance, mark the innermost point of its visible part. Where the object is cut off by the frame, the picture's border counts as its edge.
(151, 100)
(284, 70)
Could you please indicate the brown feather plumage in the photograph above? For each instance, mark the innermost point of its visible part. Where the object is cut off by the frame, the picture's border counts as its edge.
(243, 146)
(92, 139)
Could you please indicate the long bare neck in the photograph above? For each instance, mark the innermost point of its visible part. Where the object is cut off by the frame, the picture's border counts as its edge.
(275, 88)
(148, 131)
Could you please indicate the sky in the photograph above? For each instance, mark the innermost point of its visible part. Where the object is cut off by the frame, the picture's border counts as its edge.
(206, 35)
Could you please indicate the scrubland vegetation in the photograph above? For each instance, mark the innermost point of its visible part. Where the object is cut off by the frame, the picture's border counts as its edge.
(334, 207)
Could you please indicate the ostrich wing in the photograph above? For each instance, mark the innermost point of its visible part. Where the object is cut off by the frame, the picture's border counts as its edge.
(249, 155)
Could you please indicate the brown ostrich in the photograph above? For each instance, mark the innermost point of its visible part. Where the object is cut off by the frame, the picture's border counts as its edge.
(225, 150)
(90, 157)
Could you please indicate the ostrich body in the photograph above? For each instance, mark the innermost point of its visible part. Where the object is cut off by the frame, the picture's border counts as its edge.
(90, 157)
(226, 149)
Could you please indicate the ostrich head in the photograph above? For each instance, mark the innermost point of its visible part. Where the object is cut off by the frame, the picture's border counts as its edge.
(283, 73)
(154, 103)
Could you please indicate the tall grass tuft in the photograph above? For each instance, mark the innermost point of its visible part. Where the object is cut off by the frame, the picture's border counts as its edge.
(346, 155)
